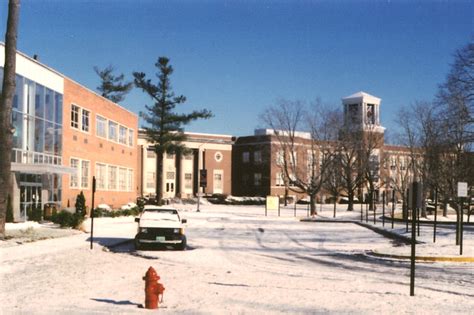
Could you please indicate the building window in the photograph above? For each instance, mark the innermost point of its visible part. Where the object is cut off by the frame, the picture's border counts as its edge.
(218, 181)
(188, 181)
(353, 112)
(101, 126)
(402, 164)
(279, 179)
(245, 157)
(280, 157)
(310, 160)
(170, 175)
(150, 154)
(169, 187)
(292, 179)
(113, 131)
(100, 173)
(122, 135)
(85, 174)
(257, 156)
(370, 114)
(74, 179)
(130, 180)
(112, 176)
(75, 116)
(257, 179)
(130, 137)
(218, 157)
(122, 179)
(188, 156)
(85, 120)
(150, 180)
(294, 159)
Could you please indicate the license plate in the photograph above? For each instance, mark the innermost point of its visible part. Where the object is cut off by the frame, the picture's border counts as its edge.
(160, 238)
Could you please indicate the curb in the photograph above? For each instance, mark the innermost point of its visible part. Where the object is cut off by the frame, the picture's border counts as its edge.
(423, 258)
(383, 232)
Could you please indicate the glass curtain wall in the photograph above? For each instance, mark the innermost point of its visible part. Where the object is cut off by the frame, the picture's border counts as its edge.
(37, 139)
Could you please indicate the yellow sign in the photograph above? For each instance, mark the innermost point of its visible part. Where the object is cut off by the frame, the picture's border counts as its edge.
(273, 203)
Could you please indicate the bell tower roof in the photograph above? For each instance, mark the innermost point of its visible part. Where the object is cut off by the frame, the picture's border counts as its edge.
(361, 96)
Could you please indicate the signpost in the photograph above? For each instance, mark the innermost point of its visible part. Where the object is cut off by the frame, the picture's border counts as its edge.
(462, 193)
(383, 208)
(393, 206)
(416, 202)
(272, 203)
(435, 215)
(92, 211)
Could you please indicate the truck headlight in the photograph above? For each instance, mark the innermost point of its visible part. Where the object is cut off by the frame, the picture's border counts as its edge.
(178, 231)
(143, 230)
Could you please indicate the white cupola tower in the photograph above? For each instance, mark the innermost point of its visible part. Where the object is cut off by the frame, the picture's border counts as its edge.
(362, 112)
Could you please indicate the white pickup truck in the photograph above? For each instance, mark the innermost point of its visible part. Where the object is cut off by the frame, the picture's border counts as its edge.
(160, 226)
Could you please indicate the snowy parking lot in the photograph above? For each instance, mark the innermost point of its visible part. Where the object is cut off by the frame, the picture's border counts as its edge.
(237, 261)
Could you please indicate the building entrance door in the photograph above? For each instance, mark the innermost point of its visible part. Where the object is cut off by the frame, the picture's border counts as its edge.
(30, 198)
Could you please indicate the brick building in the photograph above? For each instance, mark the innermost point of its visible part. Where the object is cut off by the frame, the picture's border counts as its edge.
(63, 135)
(258, 159)
(181, 171)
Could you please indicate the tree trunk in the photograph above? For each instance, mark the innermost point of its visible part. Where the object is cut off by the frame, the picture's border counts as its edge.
(312, 201)
(350, 196)
(6, 98)
(445, 207)
(159, 177)
(404, 207)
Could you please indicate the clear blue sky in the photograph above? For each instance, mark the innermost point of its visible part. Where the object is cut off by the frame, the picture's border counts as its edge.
(238, 57)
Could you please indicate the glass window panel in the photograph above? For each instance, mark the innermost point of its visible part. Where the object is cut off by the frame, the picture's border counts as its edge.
(112, 177)
(85, 174)
(58, 139)
(130, 180)
(113, 131)
(150, 180)
(75, 116)
(73, 180)
(101, 126)
(18, 97)
(17, 122)
(85, 120)
(39, 101)
(49, 105)
(122, 179)
(122, 135)
(58, 106)
(130, 137)
(39, 135)
(49, 138)
(100, 171)
(30, 97)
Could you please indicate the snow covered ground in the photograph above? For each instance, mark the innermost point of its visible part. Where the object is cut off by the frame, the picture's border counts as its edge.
(238, 261)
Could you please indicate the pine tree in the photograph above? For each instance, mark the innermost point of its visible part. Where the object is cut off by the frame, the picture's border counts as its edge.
(164, 128)
(80, 204)
(112, 86)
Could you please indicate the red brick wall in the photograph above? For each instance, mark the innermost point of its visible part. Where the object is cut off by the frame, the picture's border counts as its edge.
(88, 146)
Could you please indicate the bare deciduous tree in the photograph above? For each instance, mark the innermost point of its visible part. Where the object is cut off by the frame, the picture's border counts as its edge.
(288, 119)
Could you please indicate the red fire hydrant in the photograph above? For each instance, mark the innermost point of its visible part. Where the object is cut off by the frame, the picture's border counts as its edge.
(153, 289)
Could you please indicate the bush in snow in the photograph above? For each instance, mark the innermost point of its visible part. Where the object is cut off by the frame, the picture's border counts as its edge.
(34, 213)
(67, 219)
